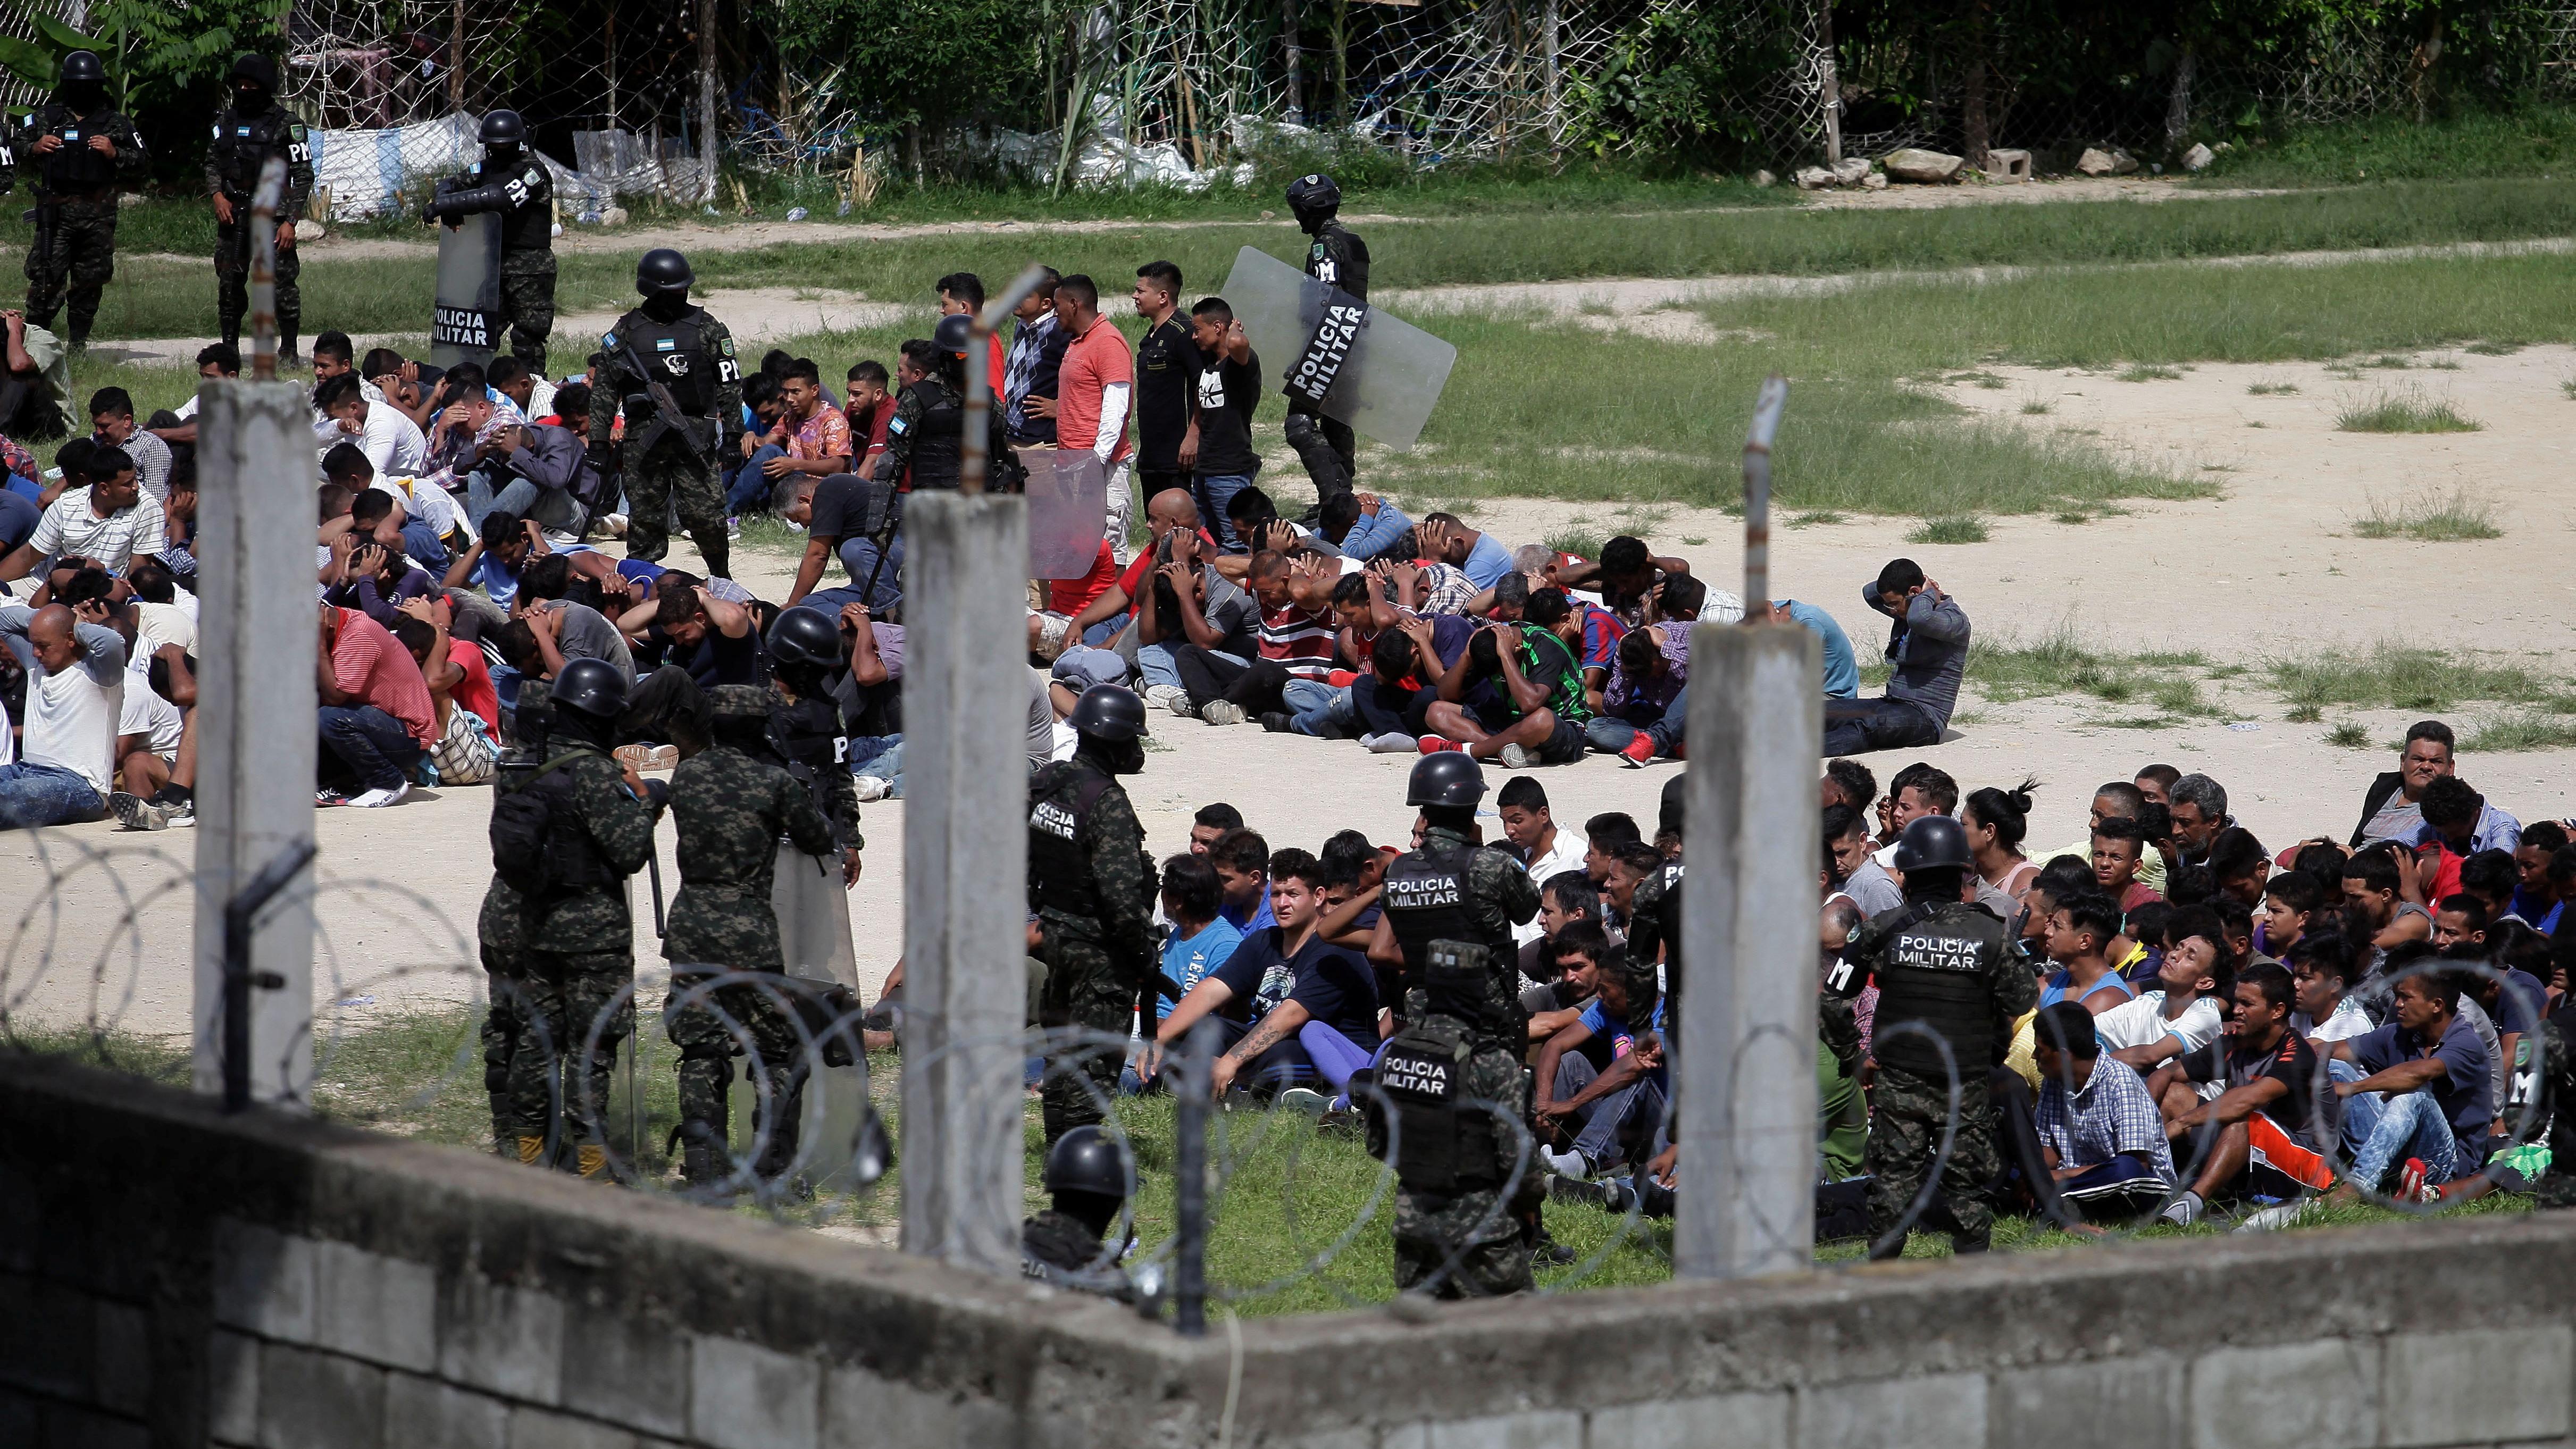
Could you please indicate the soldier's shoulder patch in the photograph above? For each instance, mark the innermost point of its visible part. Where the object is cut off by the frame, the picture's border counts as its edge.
(608, 342)
(296, 130)
(1318, 252)
(724, 344)
(535, 173)
(897, 425)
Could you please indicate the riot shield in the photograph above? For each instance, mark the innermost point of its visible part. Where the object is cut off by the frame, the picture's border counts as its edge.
(814, 934)
(1068, 507)
(469, 291)
(1378, 373)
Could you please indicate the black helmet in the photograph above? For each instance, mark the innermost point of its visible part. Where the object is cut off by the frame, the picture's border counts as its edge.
(502, 127)
(955, 333)
(258, 69)
(805, 635)
(590, 686)
(664, 273)
(1313, 197)
(1447, 778)
(1109, 712)
(1669, 815)
(1087, 1159)
(1933, 842)
(82, 68)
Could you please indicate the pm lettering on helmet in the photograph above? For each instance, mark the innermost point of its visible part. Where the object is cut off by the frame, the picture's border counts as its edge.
(1328, 349)
(1932, 953)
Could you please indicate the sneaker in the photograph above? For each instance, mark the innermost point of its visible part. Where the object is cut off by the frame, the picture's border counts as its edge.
(1393, 742)
(1638, 751)
(1341, 678)
(1279, 722)
(379, 799)
(1222, 712)
(328, 798)
(648, 757)
(1569, 1163)
(2410, 1182)
(1517, 757)
(1303, 1099)
(614, 525)
(1171, 697)
(1434, 744)
(559, 540)
(1590, 1194)
(733, 529)
(2183, 1211)
(869, 788)
(2275, 1218)
(181, 814)
(136, 813)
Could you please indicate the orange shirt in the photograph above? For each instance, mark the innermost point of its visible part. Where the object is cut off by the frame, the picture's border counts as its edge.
(1092, 362)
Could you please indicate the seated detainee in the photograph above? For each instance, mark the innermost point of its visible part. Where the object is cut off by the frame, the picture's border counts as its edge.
(2099, 1131)
(1606, 1113)
(2265, 1133)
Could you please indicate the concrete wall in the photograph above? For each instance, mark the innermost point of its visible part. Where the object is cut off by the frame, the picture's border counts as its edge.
(170, 1277)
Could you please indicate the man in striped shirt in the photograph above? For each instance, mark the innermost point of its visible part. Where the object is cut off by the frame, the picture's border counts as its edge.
(1296, 641)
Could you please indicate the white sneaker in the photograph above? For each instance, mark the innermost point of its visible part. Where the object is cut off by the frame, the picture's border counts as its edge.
(378, 799)
(869, 787)
(2276, 1217)
(1393, 742)
(136, 813)
(559, 540)
(1171, 697)
(1303, 1099)
(1516, 757)
(1222, 712)
(1568, 1163)
(2183, 1211)
(614, 524)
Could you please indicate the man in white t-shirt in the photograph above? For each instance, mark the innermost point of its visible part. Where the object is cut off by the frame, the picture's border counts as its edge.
(75, 695)
(2180, 1016)
(112, 520)
(1546, 849)
(392, 442)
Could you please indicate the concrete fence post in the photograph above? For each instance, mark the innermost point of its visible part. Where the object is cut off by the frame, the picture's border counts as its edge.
(966, 710)
(256, 732)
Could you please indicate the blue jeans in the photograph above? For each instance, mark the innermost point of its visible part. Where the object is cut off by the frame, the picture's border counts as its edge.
(1611, 734)
(32, 795)
(1629, 1118)
(1154, 665)
(859, 556)
(369, 744)
(750, 487)
(550, 507)
(1213, 494)
(2394, 1126)
(1319, 709)
(879, 757)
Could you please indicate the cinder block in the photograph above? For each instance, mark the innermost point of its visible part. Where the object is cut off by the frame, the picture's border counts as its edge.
(264, 1281)
(1332, 1439)
(2476, 1388)
(381, 1309)
(64, 1424)
(18, 1418)
(1533, 1429)
(545, 1429)
(1405, 1436)
(863, 1410)
(626, 1370)
(1721, 1421)
(46, 1337)
(2123, 1403)
(312, 1400)
(22, 1225)
(507, 1341)
(743, 1396)
(426, 1414)
(232, 1387)
(1937, 1411)
(121, 1363)
(2239, 1398)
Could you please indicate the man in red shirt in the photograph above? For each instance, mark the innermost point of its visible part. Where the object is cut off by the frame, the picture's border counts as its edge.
(376, 717)
(870, 408)
(1093, 389)
(961, 294)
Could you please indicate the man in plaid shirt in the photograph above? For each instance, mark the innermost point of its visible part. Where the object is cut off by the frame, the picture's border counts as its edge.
(2099, 1131)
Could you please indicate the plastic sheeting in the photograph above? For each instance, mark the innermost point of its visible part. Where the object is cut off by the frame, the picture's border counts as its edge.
(373, 172)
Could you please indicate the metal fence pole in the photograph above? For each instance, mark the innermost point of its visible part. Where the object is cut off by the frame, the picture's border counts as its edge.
(966, 698)
(1189, 1180)
(256, 737)
(1745, 1068)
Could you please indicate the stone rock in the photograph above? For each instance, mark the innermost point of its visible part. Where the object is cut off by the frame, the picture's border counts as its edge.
(2095, 162)
(1813, 178)
(1849, 171)
(2122, 162)
(2005, 164)
(2198, 157)
(130, 198)
(309, 230)
(612, 216)
(1912, 163)
(1765, 178)
(1874, 181)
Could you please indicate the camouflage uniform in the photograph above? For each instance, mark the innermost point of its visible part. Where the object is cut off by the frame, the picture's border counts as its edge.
(1092, 886)
(656, 460)
(1492, 1237)
(1950, 967)
(80, 187)
(242, 145)
(521, 191)
(730, 810)
(501, 935)
(2554, 1081)
(580, 954)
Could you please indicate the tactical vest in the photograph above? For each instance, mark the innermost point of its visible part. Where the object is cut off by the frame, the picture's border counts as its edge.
(1442, 1145)
(1335, 257)
(808, 733)
(528, 225)
(542, 804)
(938, 436)
(1059, 872)
(1932, 967)
(1425, 900)
(243, 144)
(73, 167)
(676, 355)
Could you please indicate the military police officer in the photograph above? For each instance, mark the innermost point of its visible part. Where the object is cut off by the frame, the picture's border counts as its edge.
(731, 806)
(1453, 1075)
(511, 180)
(253, 129)
(1086, 1172)
(1945, 969)
(925, 439)
(570, 832)
(1337, 258)
(83, 150)
(1092, 886)
(501, 935)
(808, 737)
(674, 369)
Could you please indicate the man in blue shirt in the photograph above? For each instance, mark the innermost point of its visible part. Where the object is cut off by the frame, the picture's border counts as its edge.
(1201, 940)
(1611, 1107)
(1362, 525)
(1480, 556)
(2424, 1092)
(1842, 667)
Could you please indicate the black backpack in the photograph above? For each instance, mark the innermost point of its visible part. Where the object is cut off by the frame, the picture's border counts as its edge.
(521, 817)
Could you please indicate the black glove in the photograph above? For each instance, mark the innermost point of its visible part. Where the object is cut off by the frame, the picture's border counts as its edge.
(603, 458)
(657, 793)
(430, 214)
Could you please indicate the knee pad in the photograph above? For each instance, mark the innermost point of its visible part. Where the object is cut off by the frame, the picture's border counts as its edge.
(1300, 430)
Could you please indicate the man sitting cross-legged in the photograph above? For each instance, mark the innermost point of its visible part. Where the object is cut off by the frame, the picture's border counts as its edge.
(2099, 1131)
(2264, 1133)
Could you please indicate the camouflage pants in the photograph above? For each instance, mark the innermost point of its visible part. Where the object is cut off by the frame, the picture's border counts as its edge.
(1907, 1116)
(707, 1040)
(1082, 990)
(1486, 1233)
(82, 257)
(505, 1016)
(232, 286)
(527, 305)
(665, 474)
(566, 994)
